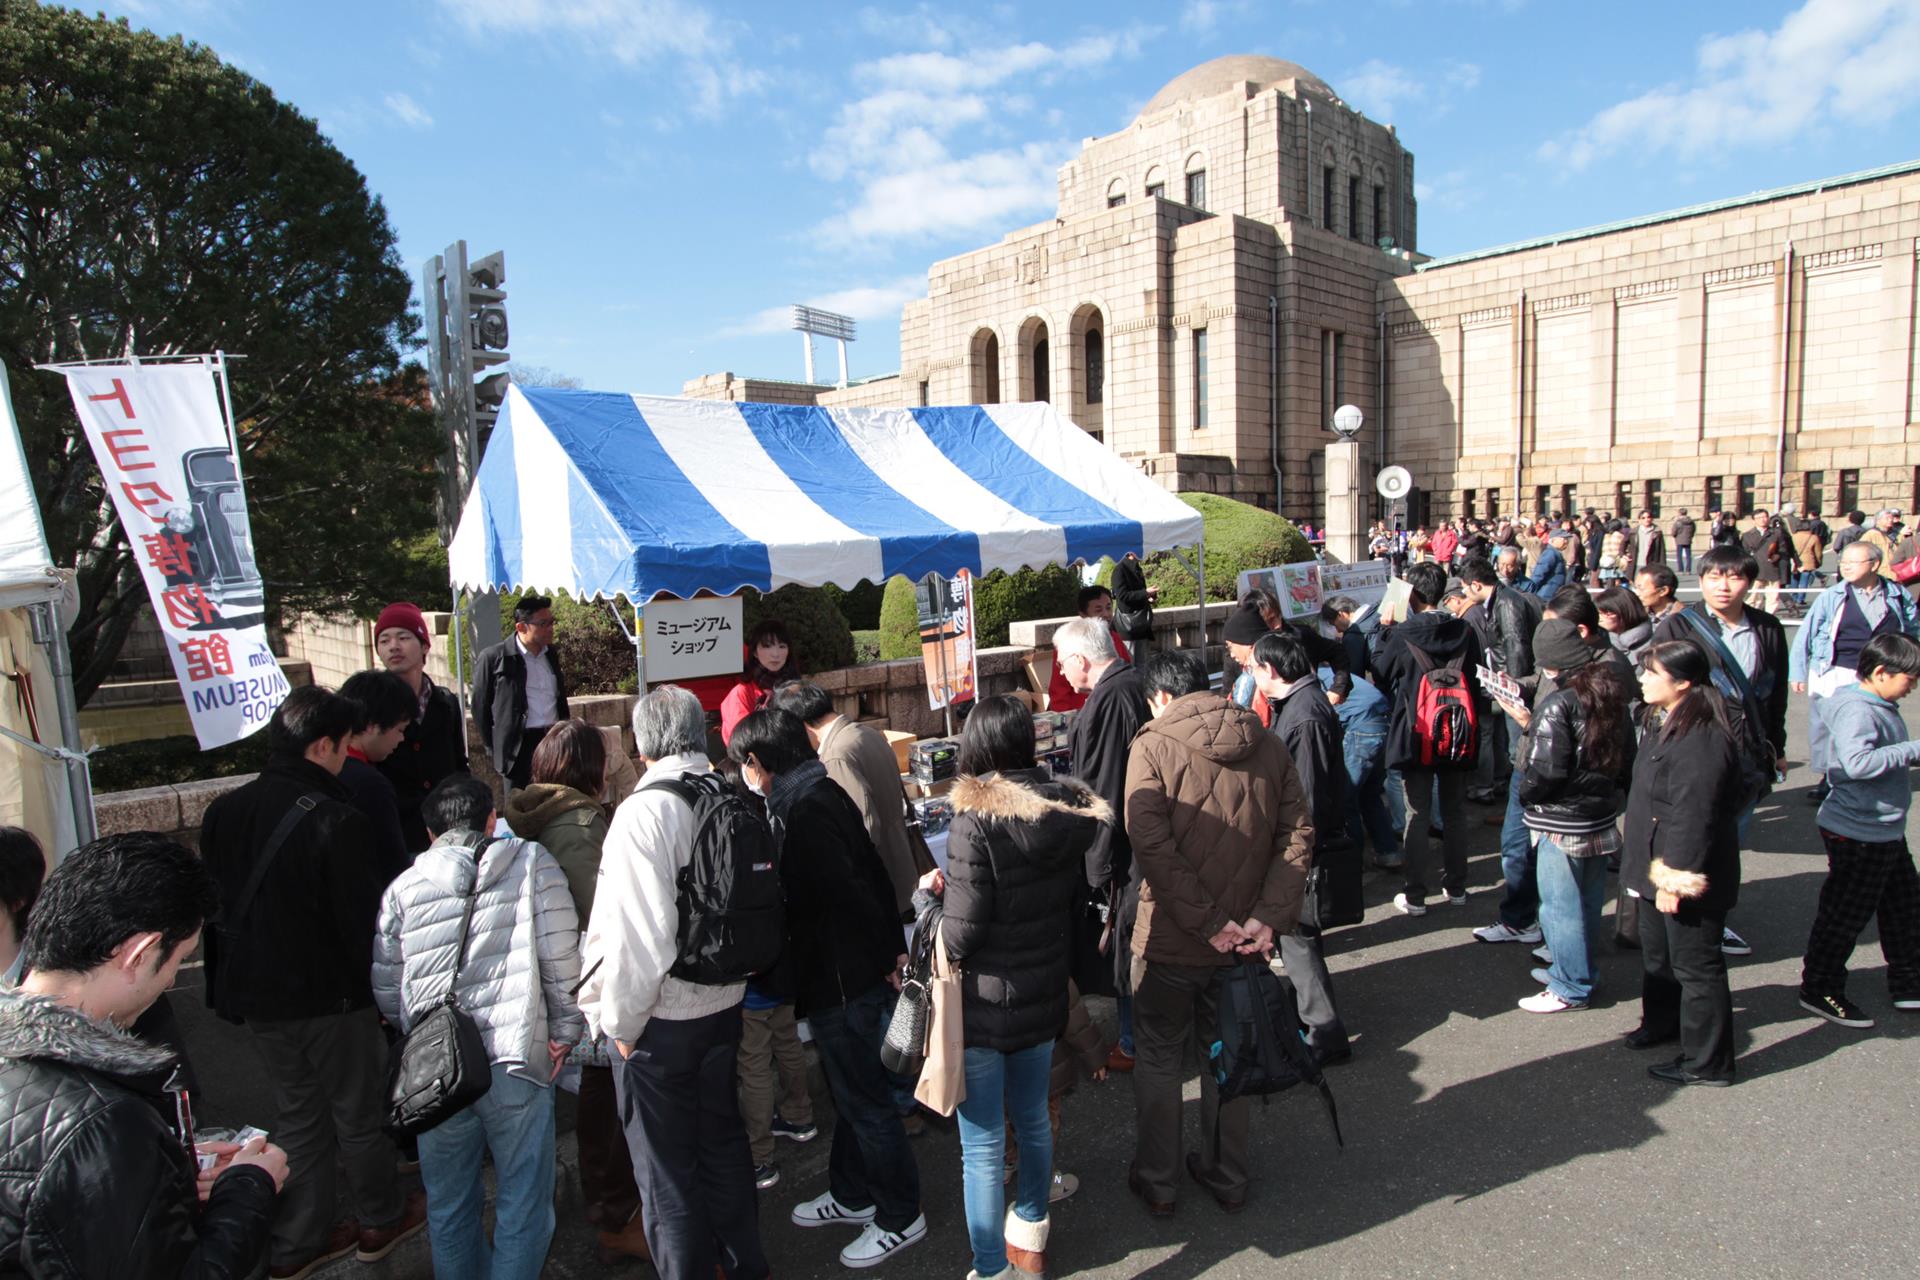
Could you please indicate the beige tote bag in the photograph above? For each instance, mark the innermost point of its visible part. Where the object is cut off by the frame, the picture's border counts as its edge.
(943, 1079)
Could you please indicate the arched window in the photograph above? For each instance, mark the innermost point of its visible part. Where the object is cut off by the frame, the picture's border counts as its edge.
(1035, 363)
(1096, 367)
(984, 367)
(1042, 375)
(1197, 180)
(1116, 193)
(1156, 183)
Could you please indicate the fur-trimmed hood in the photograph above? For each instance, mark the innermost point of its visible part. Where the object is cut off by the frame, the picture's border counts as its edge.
(1027, 795)
(37, 1028)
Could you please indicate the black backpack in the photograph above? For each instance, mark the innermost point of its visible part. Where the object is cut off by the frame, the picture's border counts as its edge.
(1259, 1046)
(733, 916)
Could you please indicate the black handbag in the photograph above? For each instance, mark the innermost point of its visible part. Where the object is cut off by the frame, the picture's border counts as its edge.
(440, 1067)
(1334, 896)
(903, 1049)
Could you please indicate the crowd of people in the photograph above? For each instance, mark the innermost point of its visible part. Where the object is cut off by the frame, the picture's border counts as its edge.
(653, 939)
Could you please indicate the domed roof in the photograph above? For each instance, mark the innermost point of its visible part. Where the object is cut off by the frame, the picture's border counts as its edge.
(1222, 74)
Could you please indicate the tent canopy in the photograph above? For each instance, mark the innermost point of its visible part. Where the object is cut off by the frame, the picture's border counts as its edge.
(603, 494)
(26, 568)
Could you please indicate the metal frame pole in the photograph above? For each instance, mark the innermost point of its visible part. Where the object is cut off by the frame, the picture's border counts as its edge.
(79, 773)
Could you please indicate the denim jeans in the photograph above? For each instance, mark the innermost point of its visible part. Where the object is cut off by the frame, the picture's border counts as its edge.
(1123, 1015)
(871, 1165)
(1367, 808)
(513, 1121)
(1572, 891)
(1395, 789)
(1684, 559)
(1520, 904)
(1004, 1087)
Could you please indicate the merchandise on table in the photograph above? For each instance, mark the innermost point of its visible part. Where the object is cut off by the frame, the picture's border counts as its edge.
(933, 759)
(935, 814)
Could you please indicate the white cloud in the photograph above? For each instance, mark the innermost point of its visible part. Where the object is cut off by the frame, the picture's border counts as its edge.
(1200, 16)
(930, 146)
(920, 27)
(1452, 190)
(632, 33)
(1380, 89)
(874, 302)
(1854, 62)
(408, 112)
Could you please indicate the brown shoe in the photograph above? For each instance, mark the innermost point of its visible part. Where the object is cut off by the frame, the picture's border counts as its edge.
(1119, 1060)
(1232, 1204)
(341, 1242)
(628, 1242)
(1155, 1208)
(377, 1243)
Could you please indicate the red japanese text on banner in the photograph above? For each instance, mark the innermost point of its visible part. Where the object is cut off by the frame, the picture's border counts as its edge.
(161, 442)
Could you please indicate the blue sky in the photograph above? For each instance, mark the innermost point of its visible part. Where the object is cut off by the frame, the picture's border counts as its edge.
(665, 176)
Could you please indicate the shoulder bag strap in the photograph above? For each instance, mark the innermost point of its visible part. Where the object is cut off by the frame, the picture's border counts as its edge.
(270, 851)
(1735, 672)
(466, 923)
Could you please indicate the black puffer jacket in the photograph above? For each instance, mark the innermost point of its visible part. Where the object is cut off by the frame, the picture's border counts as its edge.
(1013, 859)
(95, 1182)
(1514, 617)
(1683, 814)
(1559, 792)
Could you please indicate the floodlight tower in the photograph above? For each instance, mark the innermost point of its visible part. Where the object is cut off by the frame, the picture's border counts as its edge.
(812, 322)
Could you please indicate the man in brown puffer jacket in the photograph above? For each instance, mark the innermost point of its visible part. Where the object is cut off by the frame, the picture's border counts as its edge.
(1222, 840)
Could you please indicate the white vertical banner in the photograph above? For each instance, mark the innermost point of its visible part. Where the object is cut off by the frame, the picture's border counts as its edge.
(161, 442)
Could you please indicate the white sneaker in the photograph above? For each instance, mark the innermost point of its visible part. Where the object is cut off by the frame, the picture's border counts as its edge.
(1451, 899)
(1543, 954)
(1732, 944)
(1064, 1185)
(1540, 976)
(876, 1244)
(1501, 931)
(824, 1211)
(1547, 1002)
(1406, 908)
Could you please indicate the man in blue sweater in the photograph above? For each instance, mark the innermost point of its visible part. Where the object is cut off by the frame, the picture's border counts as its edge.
(1864, 823)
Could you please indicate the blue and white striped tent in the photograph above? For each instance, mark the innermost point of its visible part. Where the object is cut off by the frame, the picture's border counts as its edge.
(602, 495)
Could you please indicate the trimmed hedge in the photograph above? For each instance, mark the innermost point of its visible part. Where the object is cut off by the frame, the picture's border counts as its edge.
(813, 621)
(1239, 536)
(899, 621)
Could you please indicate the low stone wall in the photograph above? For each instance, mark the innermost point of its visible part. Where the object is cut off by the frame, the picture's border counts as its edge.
(1176, 627)
(336, 646)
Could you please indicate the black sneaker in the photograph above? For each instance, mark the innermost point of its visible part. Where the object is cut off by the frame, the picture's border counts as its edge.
(1835, 1009)
(766, 1175)
(794, 1132)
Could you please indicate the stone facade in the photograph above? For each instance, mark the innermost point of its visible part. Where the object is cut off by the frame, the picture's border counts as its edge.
(1678, 360)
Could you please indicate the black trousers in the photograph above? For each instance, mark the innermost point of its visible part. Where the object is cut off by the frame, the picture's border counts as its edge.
(690, 1159)
(1313, 990)
(1864, 880)
(1685, 989)
(521, 774)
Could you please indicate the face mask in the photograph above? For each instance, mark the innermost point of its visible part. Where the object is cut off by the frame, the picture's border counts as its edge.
(753, 786)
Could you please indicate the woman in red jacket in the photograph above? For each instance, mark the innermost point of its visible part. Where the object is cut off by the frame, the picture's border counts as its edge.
(771, 662)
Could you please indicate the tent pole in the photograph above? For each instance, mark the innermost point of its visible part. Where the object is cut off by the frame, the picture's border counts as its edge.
(459, 684)
(1200, 578)
(79, 777)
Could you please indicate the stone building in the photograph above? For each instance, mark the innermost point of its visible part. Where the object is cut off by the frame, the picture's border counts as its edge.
(1243, 259)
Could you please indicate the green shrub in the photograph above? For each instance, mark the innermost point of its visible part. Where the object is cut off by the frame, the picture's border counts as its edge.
(866, 646)
(1000, 599)
(860, 605)
(159, 762)
(598, 656)
(1239, 536)
(813, 621)
(899, 621)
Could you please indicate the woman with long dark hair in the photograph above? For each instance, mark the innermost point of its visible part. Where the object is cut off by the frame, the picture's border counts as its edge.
(1626, 623)
(1572, 790)
(1016, 854)
(771, 662)
(1682, 862)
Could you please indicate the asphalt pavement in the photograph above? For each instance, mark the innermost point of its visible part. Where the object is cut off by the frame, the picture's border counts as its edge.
(1479, 1138)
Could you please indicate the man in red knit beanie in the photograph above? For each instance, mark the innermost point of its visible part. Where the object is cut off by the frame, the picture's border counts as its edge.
(436, 741)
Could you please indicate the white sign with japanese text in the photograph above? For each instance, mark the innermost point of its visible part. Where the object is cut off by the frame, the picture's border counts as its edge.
(161, 442)
(688, 638)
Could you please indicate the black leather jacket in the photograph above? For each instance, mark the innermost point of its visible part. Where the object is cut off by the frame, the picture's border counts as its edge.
(1558, 791)
(96, 1183)
(1514, 616)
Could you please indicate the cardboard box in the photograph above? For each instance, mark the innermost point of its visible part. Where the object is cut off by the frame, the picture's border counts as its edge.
(901, 743)
(918, 790)
(1031, 701)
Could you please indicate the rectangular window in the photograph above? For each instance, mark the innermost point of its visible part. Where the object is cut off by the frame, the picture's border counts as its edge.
(1197, 188)
(1156, 191)
(1813, 493)
(1743, 495)
(1653, 498)
(1716, 495)
(1117, 199)
(1566, 499)
(1469, 500)
(1326, 197)
(1542, 499)
(1353, 207)
(1332, 374)
(1849, 491)
(1380, 231)
(1623, 499)
(1493, 504)
(924, 390)
(1199, 379)
(1914, 503)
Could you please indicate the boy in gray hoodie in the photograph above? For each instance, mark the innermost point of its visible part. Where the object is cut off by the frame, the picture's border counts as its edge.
(1863, 821)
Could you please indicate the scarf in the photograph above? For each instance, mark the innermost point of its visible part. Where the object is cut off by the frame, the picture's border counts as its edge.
(787, 788)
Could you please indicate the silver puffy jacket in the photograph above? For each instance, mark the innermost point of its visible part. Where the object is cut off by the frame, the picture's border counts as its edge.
(523, 947)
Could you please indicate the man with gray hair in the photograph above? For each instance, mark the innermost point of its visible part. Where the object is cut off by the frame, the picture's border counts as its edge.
(672, 1042)
(1099, 738)
(1550, 570)
(1839, 622)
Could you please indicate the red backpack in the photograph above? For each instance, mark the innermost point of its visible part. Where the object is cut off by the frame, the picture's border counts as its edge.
(1446, 730)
